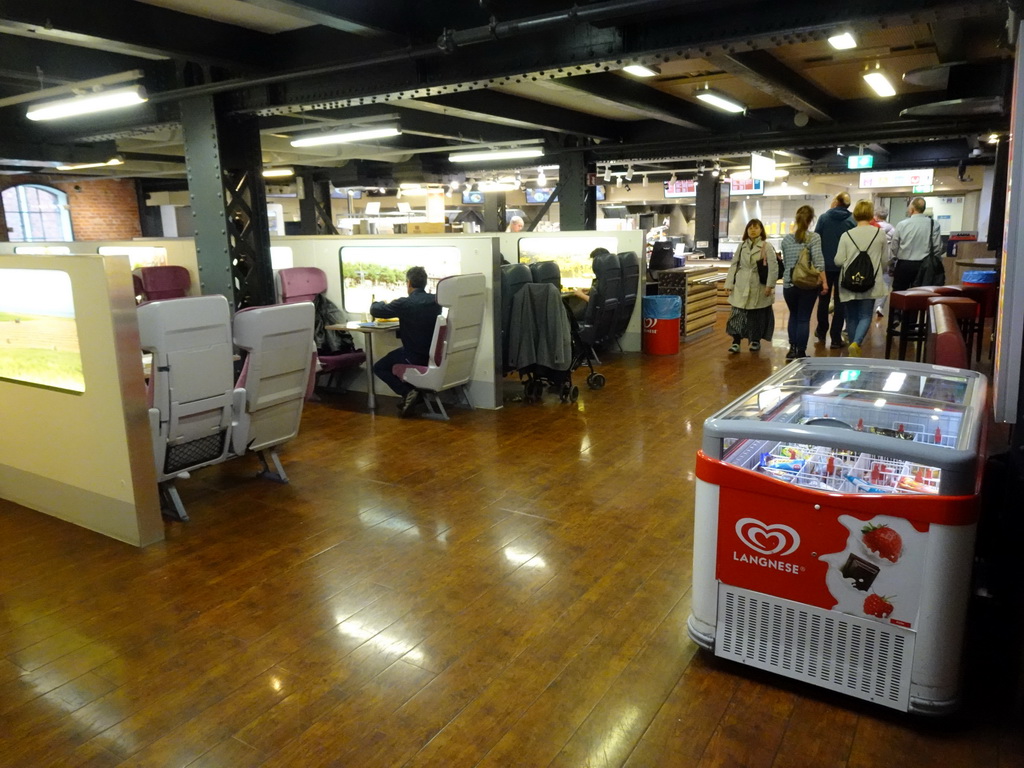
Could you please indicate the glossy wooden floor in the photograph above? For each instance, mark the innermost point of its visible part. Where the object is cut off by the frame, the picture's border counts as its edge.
(507, 589)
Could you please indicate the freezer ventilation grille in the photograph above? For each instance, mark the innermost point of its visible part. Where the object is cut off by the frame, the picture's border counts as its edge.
(848, 654)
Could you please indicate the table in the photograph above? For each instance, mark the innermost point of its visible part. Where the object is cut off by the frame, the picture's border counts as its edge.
(368, 330)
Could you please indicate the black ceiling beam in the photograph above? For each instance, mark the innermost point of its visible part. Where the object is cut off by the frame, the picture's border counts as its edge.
(145, 30)
(29, 152)
(356, 17)
(505, 109)
(616, 90)
(768, 74)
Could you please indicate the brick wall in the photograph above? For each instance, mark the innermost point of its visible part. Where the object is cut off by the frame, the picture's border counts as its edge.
(105, 209)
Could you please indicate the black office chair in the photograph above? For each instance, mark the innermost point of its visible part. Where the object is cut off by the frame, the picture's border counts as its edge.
(546, 272)
(628, 287)
(599, 319)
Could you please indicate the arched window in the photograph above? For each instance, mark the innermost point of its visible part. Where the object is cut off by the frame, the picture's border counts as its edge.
(35, 213)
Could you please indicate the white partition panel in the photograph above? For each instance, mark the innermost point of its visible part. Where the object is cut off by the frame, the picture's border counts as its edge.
(543, 246)
(76, 439)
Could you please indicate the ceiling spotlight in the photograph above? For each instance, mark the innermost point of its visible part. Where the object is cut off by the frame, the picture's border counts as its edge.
(345, 137)
(618, 180)
(879, 82)
(843, 41)
(993, 138)
(496, 154)
(672, 178)
(542, 178)
(645, 180)
(103, 101)
(629, 173)
(607, 173)
(454, 185)
(806, 184)
(720, 100)
(717, 169)
(641, 70)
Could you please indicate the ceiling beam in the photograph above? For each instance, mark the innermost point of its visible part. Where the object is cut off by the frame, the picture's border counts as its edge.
(357, 18)
(766, 73)
(134, 29)
(488, 106)
(645, 101)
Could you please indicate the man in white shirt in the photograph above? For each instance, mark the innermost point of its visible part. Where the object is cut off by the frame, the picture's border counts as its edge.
(913, 239)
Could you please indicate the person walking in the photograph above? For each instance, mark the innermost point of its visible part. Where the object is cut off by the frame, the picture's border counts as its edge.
(858, 305)
(831, 226)
(912, 240)
(800, 301)
(882, 222)
(750, 284)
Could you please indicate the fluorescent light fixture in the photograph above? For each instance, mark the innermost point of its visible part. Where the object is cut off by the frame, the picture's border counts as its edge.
(879, 83)
(497, 154)
(843, 41)
(345, 137)
(639, 70)
(82, 166)
(117, 98)
(274, 173)
(720, 101)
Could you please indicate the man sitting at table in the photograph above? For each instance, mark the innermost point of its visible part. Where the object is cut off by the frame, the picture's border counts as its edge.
(417, 314)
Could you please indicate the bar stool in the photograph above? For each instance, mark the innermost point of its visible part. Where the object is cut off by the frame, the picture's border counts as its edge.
(987, 298)
(908, 321)
(967, 312)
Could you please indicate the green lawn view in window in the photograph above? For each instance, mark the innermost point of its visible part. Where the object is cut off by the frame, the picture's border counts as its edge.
(38, 332)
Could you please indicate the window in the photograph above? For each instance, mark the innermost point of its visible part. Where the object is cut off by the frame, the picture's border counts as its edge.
(36, 213)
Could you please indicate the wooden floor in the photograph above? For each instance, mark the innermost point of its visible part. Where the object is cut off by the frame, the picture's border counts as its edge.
(507, 589)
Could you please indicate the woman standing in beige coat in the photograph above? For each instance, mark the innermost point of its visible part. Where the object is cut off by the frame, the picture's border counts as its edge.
(751, 285)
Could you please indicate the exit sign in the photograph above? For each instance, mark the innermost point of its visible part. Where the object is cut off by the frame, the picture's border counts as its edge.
(922, 189)
(857, 162)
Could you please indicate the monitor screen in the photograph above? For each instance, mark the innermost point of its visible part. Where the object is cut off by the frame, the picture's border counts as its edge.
(472, 197)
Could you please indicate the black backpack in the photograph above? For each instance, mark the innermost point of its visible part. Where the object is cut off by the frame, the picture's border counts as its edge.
(859, 275)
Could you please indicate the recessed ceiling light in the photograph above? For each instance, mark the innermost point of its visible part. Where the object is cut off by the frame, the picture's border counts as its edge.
(639, 70)
(843, 41)
(720, 101)
(879, 83)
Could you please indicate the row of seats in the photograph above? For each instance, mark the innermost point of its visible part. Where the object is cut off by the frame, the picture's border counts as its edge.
(200, 413)
(908, 321)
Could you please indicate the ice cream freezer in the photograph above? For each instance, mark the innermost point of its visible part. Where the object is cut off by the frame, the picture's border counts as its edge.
(835, 515)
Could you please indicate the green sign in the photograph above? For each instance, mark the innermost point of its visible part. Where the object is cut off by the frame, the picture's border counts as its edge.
(922, 189)
(856, 162)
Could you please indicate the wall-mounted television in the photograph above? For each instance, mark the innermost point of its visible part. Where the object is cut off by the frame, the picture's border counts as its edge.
(472, 197)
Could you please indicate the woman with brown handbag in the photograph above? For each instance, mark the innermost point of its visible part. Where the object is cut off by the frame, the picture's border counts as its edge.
(803, 278)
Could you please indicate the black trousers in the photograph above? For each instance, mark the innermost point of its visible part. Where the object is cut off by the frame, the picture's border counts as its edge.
(904, 274)
(835, 330)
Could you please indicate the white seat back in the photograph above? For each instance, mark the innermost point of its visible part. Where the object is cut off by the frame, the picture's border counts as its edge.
(191, 389)
(277, 341)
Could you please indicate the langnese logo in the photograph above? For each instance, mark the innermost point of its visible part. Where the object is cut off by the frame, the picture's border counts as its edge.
(778, 540)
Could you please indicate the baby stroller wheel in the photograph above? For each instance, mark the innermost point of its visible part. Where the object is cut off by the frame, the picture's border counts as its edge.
(569, 393)
(595, 381)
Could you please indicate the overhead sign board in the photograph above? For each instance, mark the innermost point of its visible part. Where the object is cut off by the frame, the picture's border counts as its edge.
(922, 189)
(857, 162)
(746, 186)
(912, 178)
(762, 167)
(681, 188)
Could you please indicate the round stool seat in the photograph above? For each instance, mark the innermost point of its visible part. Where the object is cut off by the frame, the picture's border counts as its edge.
(913, 301)
(963, 308)
(985, 296)
(948, 290)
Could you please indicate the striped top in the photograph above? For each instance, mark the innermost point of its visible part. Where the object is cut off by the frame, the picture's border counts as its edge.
(791, 253)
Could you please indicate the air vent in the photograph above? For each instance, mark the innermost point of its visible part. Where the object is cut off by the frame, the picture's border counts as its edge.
(855, 656)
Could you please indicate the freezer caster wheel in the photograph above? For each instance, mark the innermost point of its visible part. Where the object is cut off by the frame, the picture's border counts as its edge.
(569, 393)
(595, 381)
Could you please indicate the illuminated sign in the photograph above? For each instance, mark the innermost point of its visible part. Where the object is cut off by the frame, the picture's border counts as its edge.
(857, 162)
(912, 178)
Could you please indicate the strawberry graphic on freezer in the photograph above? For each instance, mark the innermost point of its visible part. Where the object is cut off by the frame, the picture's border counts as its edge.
(877, 575)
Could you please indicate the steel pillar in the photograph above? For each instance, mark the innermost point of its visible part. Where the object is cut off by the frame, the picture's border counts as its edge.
(224, 168)
(315, 217)
(494, 212)
(577, 199)
(708, 209)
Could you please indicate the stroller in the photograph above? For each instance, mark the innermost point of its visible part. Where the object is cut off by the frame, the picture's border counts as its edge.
(537, 339)
(606, 312)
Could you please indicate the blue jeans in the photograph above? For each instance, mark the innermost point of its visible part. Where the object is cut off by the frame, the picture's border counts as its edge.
(858, 318)
(801, 305)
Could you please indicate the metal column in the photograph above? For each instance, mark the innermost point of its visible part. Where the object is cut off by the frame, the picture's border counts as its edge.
(224, 167)
(708, 209)
(315, 216)
(577, 200)
(494, 212)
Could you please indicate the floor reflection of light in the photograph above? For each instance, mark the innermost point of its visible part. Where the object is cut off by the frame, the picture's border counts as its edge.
(381, 519)
(275, 683)
(618, 737)
(380, 640)
(528, 559)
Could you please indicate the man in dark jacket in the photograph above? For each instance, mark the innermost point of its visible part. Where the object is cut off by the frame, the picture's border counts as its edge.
(417, 313)
(831, 226)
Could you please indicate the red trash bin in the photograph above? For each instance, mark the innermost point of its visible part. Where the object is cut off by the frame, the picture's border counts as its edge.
(661, 324)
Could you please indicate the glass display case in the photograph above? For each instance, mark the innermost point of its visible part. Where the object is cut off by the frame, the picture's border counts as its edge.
(835, 517)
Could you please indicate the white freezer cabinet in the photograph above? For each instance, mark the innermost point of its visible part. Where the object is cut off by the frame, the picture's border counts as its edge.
(835, 516)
